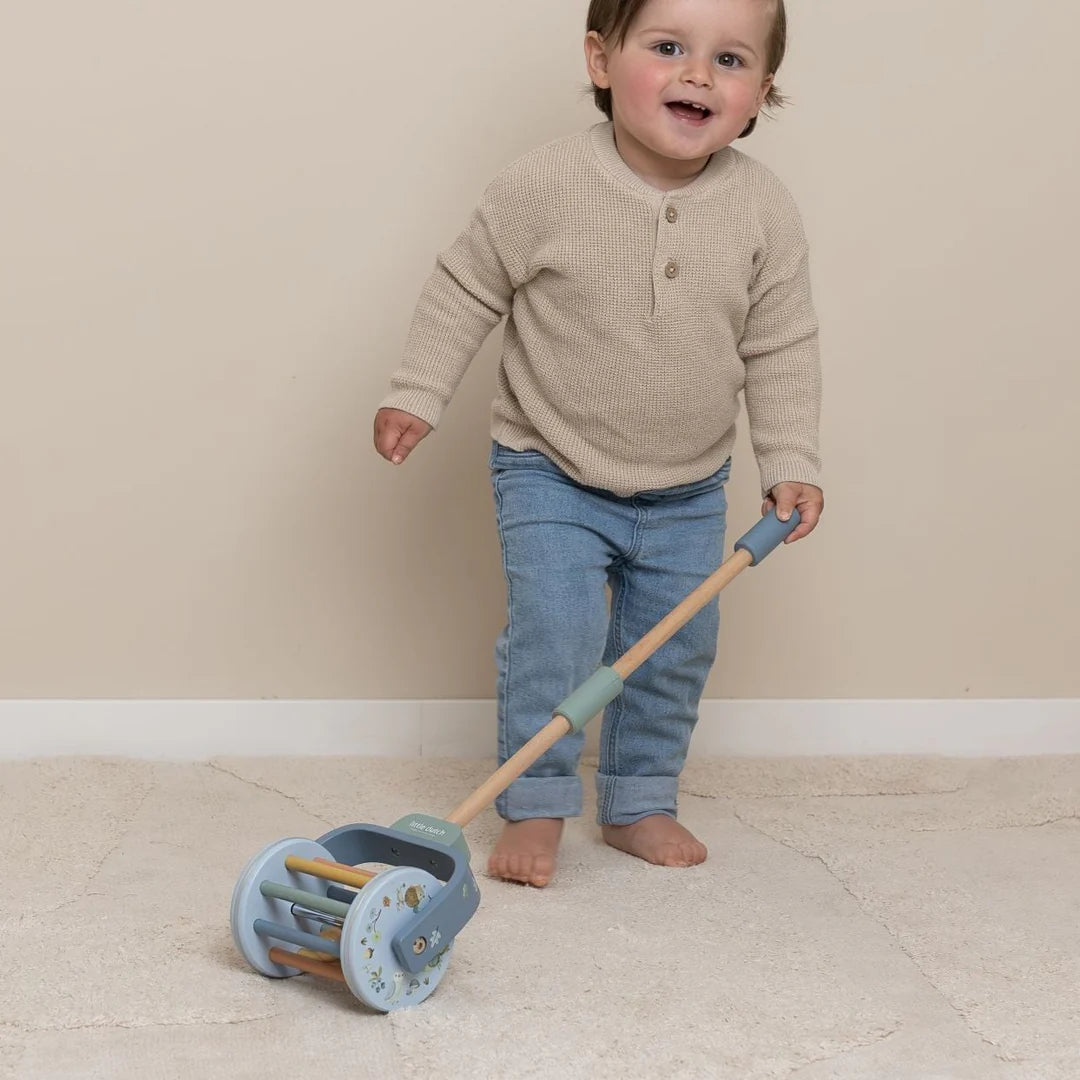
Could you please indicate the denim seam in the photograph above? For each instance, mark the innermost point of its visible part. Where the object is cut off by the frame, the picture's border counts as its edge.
(617, 706)
(505, 723)
(638, 537)
(617, 614)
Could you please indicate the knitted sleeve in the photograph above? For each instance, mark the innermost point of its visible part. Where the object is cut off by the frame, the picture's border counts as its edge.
(467, 294)
(779, 349)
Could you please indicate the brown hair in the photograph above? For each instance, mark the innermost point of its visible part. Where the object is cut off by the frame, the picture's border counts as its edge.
(611, 19)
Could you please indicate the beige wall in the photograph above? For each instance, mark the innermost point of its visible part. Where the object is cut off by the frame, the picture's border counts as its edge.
(216, 218)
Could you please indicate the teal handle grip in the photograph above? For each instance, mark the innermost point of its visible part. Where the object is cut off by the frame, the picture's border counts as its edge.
(770, 532)
(599, 690)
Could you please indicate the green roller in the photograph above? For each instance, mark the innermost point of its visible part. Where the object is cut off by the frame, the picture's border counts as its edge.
(308, 899)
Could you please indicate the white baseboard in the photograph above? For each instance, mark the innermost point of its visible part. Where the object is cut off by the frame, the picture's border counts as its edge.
(196, 730)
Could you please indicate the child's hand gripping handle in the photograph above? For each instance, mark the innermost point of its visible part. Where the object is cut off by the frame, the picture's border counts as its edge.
(605, 685)
(768, 534)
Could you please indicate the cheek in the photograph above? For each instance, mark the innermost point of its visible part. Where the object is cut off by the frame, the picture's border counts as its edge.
(743, 96)
(640, 86)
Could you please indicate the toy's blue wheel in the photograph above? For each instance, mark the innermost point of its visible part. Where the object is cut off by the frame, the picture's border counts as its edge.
(383, 907)
(248, 904)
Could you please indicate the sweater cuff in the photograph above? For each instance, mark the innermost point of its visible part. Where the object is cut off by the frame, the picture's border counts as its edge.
(421, 403)
(792, 470)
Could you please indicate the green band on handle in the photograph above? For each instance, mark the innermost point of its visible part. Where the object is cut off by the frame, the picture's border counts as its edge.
(600, 689)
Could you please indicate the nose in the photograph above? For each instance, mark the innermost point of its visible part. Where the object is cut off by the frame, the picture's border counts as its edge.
(697, 72)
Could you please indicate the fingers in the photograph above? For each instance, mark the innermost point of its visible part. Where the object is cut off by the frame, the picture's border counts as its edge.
(407, 441)
(808, 522)
(806, 498)
(397, 434)
(786, 500)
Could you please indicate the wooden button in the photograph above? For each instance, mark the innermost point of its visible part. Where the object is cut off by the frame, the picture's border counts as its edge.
(671, 214)
(672, 269)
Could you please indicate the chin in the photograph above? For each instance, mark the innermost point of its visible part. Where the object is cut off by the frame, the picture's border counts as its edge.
(694, 145)
(687, 153)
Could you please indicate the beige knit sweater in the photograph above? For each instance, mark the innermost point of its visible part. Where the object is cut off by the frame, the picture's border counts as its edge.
(635, 317)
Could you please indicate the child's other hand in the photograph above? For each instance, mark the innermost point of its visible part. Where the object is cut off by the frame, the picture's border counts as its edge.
(397, 433)
(807, 499)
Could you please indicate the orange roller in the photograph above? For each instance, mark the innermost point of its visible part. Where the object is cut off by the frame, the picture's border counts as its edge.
(306, 964)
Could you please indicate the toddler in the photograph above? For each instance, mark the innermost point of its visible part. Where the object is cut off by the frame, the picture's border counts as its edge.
(648, 273)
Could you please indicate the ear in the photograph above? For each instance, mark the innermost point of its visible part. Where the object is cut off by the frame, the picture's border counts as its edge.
(596, 60)
(766, 86)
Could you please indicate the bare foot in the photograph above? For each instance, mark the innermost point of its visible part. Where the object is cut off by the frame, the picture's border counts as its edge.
(657, 839)
(526, 851)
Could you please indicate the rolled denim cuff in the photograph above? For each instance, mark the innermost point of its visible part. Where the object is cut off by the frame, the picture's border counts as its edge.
(540, 797)
(622, 800)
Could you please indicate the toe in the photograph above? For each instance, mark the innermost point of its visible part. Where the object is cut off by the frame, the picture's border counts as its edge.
(684, 855)
(542, 869)
(670, 854)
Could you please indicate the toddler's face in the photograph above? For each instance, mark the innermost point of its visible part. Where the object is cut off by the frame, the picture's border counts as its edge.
(688, 78)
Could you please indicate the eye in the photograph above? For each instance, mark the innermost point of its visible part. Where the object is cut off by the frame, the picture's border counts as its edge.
(668, 48)
(729, 60)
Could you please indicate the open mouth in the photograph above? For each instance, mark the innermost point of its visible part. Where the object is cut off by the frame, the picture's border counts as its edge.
(688, 110)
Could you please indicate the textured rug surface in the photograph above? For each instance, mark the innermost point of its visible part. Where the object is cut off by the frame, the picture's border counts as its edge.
(884, 918)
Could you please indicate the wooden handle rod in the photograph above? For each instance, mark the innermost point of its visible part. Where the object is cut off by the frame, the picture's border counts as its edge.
(506, 774)
(671, 623)
(629, 662)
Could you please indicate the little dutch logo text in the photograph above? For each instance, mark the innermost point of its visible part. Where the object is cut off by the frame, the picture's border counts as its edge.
(419, 825)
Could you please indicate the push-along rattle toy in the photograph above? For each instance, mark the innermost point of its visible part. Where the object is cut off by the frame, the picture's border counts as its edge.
(388, 935)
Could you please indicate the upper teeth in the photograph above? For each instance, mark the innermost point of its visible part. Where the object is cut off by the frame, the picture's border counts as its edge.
(694, 105)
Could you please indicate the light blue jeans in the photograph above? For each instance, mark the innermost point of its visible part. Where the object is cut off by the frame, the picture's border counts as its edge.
(561, 544)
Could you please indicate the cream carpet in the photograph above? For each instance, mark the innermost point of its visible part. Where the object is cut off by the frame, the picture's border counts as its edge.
(877, 918)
